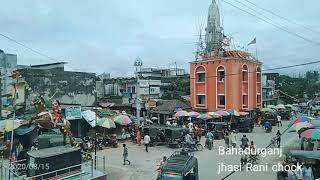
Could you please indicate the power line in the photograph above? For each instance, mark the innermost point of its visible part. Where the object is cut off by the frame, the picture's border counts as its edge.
(34, 51)
(275, 25)
(284, 18)
(270, 69)
(261, 14)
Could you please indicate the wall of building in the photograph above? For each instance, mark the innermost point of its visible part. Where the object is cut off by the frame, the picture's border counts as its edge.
(8, 63)
(68, 87)
(232, 86)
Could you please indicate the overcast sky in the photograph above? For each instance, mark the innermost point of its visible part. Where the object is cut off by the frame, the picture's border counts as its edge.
(107, 35)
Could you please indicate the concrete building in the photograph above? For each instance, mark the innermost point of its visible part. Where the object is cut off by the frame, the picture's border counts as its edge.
(51, 81)
(8, 63)
(224, 79)
(269, 95)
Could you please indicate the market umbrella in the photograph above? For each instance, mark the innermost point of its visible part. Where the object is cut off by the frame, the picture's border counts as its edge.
(243, 113)
(214, 114)
(233, 112)
(106, 123)
(194, 114)
(313, 134)
(122, 120)
(280, 106)
(302, 119)
(266, 109)
(205, 116)
(181, 114)
(9, 125)
(223, 113)
(301, 125)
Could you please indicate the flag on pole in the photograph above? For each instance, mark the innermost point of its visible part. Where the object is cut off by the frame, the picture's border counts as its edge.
(254, 41)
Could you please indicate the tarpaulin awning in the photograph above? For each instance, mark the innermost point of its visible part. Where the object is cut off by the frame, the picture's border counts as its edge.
(90, 117)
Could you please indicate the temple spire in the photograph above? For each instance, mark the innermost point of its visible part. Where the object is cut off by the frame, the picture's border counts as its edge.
(214, 34)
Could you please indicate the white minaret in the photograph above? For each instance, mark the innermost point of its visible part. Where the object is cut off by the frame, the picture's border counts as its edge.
(214, 35)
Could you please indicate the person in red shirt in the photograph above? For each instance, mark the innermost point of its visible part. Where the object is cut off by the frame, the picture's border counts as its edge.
(56, 112)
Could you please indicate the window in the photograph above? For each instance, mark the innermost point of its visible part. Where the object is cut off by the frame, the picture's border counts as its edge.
(258, 74)
(244, 73)
(221, 74)
(258, 99)
(201, 74)
(221, 100)
(201, 99)
(201, 77)
(245, 100)
(133, 89)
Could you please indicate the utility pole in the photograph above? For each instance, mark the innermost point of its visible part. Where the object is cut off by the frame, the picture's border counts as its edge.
(138, 64)
(175, 63)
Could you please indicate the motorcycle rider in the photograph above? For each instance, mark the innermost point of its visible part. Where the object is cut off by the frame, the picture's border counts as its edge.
(189, 140)
(267, 125)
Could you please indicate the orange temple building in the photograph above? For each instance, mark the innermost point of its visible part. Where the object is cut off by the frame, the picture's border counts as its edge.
(226, 82)
(222, 79)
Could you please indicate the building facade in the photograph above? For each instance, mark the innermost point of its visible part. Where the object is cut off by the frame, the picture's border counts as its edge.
(269, 95)
(8, 63)
(223, 83)
(53, 82)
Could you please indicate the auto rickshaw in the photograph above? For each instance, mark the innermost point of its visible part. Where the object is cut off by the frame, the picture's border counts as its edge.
(271, 116)
(180, 166)
(285, 114)
(156, 134)
(174, 136)
(218, 129)
(245, 125)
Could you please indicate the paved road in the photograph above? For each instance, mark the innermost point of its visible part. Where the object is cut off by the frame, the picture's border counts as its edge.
(144, 164)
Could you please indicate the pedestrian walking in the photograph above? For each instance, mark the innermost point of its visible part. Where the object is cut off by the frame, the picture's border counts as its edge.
(233, 138)
(226, 140)
(146, 140)
(278, 138)
(279, 120)
(125, 155)
(139, 137)
(244, 141)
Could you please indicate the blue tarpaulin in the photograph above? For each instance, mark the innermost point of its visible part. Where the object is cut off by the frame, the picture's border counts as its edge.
(22, 130)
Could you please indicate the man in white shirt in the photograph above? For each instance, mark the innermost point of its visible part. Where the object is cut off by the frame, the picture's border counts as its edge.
(146, 140)
(279, 120)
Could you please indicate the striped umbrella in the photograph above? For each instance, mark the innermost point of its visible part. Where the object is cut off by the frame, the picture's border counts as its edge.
(205, 116)
(233, 112)
(223, 113)
(181, 114)
(302, 119)
(122, 120)
(313, 134)
(106, 123)
(214, 114)
(302, 125)
(194, 114)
